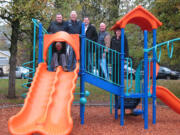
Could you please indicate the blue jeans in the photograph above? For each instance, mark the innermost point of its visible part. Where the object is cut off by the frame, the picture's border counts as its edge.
(71, 59)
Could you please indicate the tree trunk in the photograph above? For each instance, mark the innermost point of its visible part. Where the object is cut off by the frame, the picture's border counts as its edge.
(15, 25)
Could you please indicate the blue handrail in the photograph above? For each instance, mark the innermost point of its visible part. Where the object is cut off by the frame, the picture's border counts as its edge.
(168, 44)
(110, 71)
(26, 75)
(36, 22)
(138, 78)
(32, 70)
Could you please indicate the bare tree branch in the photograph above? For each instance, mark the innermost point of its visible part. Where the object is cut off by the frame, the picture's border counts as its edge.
(7, 36)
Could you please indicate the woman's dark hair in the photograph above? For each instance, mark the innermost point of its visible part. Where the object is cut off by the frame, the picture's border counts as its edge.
(116, 30)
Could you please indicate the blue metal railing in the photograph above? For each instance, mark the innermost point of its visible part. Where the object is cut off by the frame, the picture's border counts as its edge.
(36, 23)
(33, 62)
(26, 75)
(139, 77)
(104, 63)
(170, 48)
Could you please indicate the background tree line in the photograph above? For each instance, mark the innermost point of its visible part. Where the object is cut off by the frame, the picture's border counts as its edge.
(18, 14)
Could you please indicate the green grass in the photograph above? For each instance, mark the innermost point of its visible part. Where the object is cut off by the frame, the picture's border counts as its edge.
(4, 91)
(172, 85)
(97, 95)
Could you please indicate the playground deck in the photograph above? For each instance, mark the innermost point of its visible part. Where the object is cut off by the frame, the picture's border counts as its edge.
(100, 122)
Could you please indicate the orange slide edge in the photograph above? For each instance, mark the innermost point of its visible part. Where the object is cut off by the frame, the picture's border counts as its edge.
(167, 97)
(10, 121)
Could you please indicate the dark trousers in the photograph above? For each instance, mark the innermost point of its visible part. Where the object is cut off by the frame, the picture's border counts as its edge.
(89, 56)
(58, 60)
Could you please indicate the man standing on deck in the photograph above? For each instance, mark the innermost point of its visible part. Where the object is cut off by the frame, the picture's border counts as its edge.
(92, 35)
(73, 27)
(104, 39)
(58, 25)
(55, 26)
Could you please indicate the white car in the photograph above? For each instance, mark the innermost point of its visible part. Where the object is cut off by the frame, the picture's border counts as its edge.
(21, 72)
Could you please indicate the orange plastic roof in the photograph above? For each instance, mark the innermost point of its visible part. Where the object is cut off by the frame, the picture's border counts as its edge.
(139, 16)
(71, 39)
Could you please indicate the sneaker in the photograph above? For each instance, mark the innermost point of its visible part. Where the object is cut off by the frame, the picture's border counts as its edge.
(65, 69)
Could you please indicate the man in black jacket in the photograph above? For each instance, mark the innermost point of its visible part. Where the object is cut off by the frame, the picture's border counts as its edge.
(90, 30)
(58, 25)
(91, 34)
(55, 26)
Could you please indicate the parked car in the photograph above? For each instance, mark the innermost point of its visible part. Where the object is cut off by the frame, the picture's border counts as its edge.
(178, 74)
(126, 69)
(166, 73)
(21, 72)
(130, 71)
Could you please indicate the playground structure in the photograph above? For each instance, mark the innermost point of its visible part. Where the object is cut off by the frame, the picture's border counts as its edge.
(47, 107)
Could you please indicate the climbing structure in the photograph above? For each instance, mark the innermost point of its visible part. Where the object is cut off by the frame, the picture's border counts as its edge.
(47, 107)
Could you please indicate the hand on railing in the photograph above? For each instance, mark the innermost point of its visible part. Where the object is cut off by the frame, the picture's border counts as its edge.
(104, 55)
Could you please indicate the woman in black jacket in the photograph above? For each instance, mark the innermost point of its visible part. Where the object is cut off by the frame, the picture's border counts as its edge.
(130, 103)
(116, 58)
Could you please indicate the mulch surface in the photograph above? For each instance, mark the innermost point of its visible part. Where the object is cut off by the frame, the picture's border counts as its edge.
(98, 121)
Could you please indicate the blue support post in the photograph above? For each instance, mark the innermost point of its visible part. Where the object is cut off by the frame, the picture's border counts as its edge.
(145, 80)
(34, 50)
(82, 72)
(154, 77)
(40, 44)
(116, 107)
(111, 104)
(122, 78)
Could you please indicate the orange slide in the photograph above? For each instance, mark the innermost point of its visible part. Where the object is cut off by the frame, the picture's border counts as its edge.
(168, 98)
(166, 95)
(47, 108)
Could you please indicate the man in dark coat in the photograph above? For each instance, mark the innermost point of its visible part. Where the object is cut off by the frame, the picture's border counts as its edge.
(90, 30)
(58, 25)
(55, 26)
(73, 27)
(91, 34)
